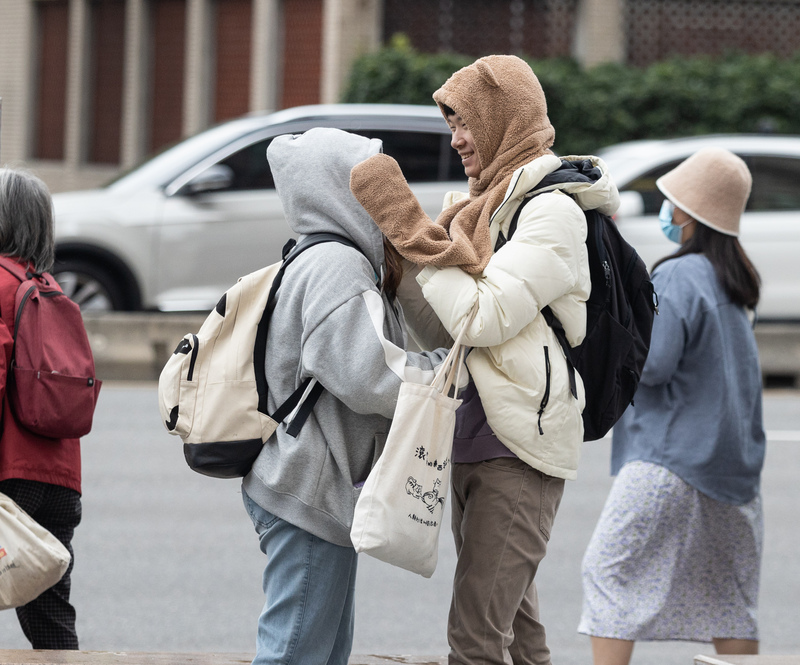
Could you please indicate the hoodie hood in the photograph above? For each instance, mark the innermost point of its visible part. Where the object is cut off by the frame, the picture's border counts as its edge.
(312, 176)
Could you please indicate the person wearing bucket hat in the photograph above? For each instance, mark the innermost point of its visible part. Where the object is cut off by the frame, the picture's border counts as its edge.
(676, 552)
(711, 187)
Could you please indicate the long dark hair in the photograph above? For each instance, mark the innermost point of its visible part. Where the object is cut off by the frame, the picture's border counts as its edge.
(394, 269)
(738, 276)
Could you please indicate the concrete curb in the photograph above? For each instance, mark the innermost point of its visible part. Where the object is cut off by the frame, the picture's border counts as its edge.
(747, 660)
(135, 345)
(44, 657)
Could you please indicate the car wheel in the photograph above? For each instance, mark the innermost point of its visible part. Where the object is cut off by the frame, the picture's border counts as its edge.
(92, 287)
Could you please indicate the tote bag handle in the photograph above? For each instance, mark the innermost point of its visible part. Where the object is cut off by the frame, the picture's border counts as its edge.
(449, 373)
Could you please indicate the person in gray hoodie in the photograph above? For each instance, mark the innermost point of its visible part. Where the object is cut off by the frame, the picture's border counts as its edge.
(336, 321)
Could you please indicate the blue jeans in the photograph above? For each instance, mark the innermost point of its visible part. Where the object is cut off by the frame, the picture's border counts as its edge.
(309, 589)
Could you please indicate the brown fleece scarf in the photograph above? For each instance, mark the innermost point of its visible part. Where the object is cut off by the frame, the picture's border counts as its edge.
(503, 105)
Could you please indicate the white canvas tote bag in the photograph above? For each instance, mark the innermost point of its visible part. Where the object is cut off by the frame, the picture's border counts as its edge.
(399, 512)
(31, 558)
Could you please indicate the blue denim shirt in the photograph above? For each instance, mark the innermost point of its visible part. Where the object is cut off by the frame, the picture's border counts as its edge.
(698, 409)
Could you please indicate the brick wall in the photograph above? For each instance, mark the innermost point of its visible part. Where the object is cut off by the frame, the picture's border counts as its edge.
(302, 52)
(52, 19)
(168, 48)
(538, 28)
(658, 29)
(106, 64)
(232, 49)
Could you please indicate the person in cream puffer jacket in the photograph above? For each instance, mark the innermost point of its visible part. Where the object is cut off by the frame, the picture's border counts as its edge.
(544, 263)
(519, 431)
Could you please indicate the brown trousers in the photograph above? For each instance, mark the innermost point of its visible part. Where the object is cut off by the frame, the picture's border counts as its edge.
(503, 511)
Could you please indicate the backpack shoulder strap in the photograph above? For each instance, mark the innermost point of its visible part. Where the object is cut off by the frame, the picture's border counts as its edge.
(14, 268)
(512, 227)
(291, 251)
(576, 171)
(561, 336)
(549, 317)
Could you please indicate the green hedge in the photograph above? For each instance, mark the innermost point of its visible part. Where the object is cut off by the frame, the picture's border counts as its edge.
(592, 108)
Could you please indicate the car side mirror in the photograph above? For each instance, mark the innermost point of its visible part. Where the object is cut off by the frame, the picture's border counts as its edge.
(631, 204)
(213, 179)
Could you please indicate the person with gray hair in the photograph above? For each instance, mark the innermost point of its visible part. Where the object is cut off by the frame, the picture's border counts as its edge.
(26, 219)
(42, 475)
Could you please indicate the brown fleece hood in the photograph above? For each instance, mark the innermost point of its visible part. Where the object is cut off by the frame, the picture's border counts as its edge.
(503, 105)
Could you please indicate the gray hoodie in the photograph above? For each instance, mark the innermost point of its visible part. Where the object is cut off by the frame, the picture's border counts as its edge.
(332, 322)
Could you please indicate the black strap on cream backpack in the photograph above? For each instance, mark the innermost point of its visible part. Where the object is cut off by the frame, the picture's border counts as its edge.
(291, 251)
(619, 312)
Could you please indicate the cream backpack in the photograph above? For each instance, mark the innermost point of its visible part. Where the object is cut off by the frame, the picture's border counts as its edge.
(213, 390)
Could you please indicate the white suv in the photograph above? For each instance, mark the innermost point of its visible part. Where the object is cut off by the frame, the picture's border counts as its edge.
(179, 230)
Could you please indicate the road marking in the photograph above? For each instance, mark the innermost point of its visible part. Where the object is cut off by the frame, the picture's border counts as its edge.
(772, 435)
(783, 435)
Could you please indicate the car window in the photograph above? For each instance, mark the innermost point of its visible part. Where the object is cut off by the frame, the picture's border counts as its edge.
(423, 157)
(646, 186)
(250, 167)
(775, 183)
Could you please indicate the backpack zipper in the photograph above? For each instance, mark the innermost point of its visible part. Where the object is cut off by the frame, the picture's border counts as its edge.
(190, 373)
(546, 396)
(25, 299)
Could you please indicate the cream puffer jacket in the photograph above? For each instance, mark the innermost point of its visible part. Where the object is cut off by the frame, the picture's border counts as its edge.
(516, 361)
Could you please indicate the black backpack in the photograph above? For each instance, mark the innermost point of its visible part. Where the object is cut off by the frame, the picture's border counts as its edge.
(619, 312)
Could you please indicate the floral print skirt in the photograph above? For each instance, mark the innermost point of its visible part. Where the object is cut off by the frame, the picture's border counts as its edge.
(667, 562)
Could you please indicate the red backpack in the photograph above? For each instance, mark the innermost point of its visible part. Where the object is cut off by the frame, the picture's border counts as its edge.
(51, 385)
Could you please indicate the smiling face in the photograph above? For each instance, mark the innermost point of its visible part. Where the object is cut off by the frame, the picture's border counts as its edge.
(463, 143)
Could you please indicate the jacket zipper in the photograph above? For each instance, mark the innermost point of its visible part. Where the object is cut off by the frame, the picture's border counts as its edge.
(510, 190)
(546, 396)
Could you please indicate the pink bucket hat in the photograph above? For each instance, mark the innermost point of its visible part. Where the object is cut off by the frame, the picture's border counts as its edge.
(712, 186)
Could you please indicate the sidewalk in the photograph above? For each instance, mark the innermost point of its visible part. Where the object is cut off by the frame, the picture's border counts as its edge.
(33, 657)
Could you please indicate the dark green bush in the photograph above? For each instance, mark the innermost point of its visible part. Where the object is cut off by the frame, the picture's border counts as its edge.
(592, 108)
(398, 74)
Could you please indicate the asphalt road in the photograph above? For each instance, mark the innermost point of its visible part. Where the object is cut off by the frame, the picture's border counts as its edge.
(167, 560)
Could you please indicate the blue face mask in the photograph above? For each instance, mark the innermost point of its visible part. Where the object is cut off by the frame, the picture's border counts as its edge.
(672, 231)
